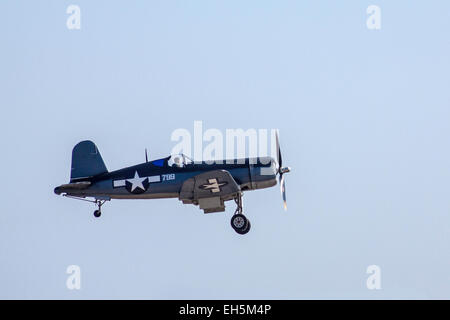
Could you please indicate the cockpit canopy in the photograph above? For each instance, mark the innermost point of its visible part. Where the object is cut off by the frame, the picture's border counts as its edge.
(179, 160)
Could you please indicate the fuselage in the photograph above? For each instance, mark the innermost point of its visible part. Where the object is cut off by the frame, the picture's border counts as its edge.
(158, 179)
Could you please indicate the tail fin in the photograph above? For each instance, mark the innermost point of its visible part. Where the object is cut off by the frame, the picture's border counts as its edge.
(86, 161)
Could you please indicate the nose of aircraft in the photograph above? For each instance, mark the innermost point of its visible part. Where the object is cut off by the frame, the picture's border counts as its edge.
(263, 173)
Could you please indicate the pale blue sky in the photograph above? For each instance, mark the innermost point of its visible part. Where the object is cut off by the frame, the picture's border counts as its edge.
(364, 123)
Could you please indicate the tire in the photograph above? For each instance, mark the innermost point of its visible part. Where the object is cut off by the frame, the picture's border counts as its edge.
(246, 230)
(97, 213)
(239, 222)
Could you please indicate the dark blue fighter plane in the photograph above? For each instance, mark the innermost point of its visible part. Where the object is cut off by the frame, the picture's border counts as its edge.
(177, 176)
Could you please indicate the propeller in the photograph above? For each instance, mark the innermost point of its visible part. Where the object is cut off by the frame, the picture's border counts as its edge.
(281, 171)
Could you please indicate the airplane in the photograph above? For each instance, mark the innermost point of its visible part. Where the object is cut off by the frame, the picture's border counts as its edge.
(177, 176)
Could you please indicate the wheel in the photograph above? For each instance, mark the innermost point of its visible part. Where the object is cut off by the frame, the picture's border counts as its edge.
(246, 230)
(239, 222)
(97, 213)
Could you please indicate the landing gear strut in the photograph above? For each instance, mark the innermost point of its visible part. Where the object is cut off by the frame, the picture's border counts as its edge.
(239, 222)
(98, 212)
(98, 203)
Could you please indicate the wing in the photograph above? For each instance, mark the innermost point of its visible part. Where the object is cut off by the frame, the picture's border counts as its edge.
(209, 190)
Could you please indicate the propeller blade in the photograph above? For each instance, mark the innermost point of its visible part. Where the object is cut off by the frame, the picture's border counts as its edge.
(281, 171)
(283, 191)
(279, 160)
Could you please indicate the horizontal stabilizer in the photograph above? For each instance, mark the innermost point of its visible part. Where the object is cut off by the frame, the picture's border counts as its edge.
(72, 186)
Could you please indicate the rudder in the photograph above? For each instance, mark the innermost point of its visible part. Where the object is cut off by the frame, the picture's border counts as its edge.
(86, 161)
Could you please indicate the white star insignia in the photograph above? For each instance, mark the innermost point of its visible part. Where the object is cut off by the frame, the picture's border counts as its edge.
(136, 182)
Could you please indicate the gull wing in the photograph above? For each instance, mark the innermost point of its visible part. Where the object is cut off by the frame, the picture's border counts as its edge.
(209, 190)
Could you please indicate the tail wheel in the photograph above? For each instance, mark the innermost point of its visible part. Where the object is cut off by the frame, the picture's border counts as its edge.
(239, 222)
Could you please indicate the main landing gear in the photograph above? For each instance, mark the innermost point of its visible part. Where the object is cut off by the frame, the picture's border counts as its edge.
(239, 222)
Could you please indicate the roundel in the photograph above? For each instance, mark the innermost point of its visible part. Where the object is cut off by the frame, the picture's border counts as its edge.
(137, 185)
